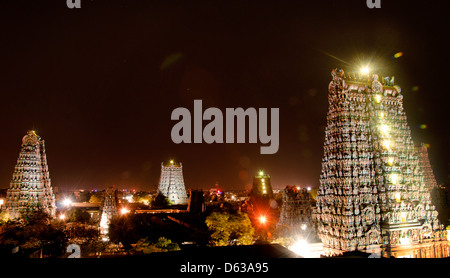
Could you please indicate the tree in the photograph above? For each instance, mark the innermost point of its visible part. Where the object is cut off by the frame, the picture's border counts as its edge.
(35, 233)
(162, 245)
(79, 215)
(95, 199)
(161, 201)
(230, 228)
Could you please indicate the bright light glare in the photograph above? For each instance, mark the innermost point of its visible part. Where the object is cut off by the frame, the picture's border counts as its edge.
(62, 217)
(365, 70)
(394, 178)
(262, 219)
(301, 248)
(124, 211)
(67, 202)
(384, 129)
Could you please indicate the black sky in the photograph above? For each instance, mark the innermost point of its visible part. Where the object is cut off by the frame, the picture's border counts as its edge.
(99, 83)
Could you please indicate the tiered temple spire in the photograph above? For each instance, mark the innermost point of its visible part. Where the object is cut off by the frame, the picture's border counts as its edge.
(30, 187)
(171, 183)
(372, 191)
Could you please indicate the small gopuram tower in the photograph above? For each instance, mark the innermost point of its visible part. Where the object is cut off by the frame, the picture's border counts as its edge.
(372, 194)
(30, 188)
(296, 208)
(109, 209)
(171, 183)
(424, 163)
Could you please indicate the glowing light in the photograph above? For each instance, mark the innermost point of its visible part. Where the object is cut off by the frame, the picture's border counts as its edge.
(303, 227)
(398, 55)
(261, 173)
(62, 216)
(404, 240)
(390, 161)
(394, 178)
(387, 144)
(264, 192)
(171, 162)
(365, 70)
(301, 248)
(377, 98)
(382, 115)
(67, 202)
(262, 180)
(398, 196)
(308, 188)
(384, 129)
(124, 211)
(423, 126)
(262, 219)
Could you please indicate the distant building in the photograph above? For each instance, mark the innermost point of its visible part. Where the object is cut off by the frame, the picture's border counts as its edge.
(171, 183)
(30, 187)
(262, 187)
(109, 209)
(296, 210)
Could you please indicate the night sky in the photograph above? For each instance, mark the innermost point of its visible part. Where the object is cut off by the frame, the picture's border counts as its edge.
(99, 83)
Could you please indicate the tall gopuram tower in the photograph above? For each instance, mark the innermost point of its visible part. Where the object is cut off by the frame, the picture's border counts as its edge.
(372, 194)
(171, 183)
(30, 188)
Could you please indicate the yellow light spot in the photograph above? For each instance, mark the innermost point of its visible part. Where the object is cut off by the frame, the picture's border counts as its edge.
(398, 196)
(394, 178)
(377, 98)
(365, 70)
(384, 129)
(261, 173)
(423, 126)
(171, 162)
(390, 160)
(398, 55)
(387, 144)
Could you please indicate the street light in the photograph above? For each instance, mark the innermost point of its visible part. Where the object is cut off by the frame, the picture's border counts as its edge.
(67, 202)
(124, 211)
(262, 219)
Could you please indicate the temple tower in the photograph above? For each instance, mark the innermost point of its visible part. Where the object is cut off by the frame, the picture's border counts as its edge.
(109, 209)
(372, 191)
(296, 209)
(424, 163)
(171, 183)
(30, 187)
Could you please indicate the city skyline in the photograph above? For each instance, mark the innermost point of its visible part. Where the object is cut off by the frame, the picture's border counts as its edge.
(99, 84)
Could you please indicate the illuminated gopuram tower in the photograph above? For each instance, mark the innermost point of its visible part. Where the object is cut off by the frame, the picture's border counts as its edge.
(30, 188)
(372, 194)
(171, 183)
(424, 163)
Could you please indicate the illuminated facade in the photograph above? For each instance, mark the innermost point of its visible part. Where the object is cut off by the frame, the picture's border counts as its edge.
(30, 188)
(296, 208)
(171, 183)
(109, 209)
(372, 194)
(262, 187)
(424, 163)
